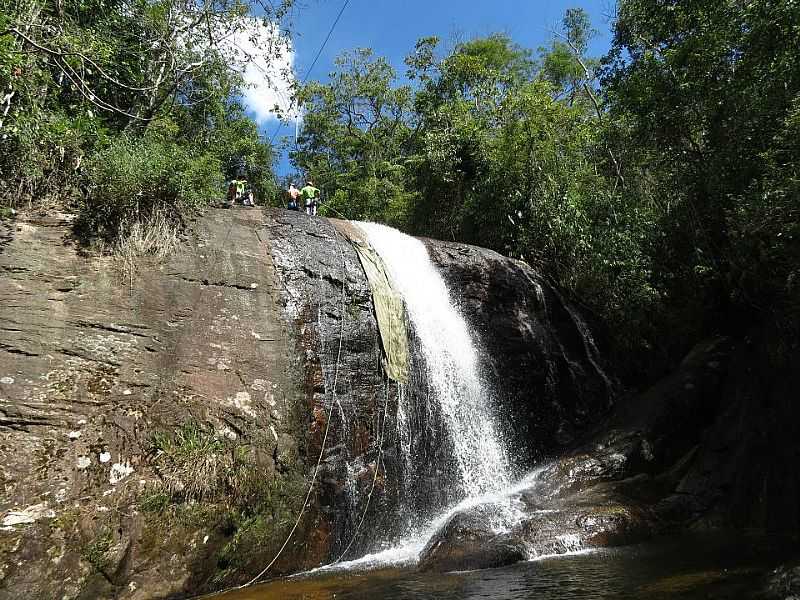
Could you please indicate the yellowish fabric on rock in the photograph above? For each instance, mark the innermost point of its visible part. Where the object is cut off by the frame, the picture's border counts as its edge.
(390, 313)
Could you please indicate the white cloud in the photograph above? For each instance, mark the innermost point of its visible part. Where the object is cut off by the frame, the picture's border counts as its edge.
(266, 60)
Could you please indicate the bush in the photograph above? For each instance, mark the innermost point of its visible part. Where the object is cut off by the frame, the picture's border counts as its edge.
(41, 158)
(133, 179)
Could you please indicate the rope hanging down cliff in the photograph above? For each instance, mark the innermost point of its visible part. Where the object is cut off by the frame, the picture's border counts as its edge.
(333, 401)
(374, 476)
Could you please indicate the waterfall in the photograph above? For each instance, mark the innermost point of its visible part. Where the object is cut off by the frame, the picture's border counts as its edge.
(452, 397)
(450, 358)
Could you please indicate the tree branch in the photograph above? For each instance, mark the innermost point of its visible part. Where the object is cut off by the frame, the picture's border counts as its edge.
(80, 55)
(589, 92)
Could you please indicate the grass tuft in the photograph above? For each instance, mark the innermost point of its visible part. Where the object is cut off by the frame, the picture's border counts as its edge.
(155, 237)
(191, 461)
(95, 553)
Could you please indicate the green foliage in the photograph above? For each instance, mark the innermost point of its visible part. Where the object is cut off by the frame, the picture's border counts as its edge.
(154, 501)
(133, 178)
(578, 30)
(353, 136)
(261, 525)
(125, 108)
(704, 96)
(492, 150)
(95, 553)
(187, 442)
(476, 66)
(193, 463)
(236, 142)
(764, 227)
(658, 186)
(212, 481)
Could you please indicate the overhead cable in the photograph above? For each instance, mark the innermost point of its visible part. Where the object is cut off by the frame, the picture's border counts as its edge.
(314, 62)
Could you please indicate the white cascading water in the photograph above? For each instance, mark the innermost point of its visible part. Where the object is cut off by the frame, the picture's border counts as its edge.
(452, 362)
(453, 375)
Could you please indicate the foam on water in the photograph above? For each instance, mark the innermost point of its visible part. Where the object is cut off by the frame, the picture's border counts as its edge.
(505, 513)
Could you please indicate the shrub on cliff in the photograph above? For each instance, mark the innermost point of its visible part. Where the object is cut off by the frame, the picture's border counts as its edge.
(134, 178)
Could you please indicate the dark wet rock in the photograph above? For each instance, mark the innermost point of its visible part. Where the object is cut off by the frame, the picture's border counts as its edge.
(540, 354)
(615, 524)
(326, 297)
(719, 438)
(574, 527)
(468, 542)
(744, 471)
(782, 583)
(554, 519)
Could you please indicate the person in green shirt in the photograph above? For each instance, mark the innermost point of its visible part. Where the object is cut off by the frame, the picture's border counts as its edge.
(310, 196)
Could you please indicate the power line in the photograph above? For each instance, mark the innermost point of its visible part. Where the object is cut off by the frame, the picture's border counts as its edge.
(314, 62)
(328, 37)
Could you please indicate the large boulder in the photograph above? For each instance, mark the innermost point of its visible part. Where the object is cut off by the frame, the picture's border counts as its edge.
(545, 518)
(468, 541)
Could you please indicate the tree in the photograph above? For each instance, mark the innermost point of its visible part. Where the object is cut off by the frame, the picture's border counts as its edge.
(130, 57)
(703, 95)
(91, 84)
(457, 110)
(565, 63)
(354, 132)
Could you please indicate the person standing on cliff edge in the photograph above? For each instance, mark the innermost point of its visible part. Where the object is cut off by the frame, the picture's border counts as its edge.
(310, 194)
(294, 195)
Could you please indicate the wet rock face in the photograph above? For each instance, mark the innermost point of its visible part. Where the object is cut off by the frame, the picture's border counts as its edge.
(540, 354)
(552, 518)
(713, 445)
(743, 471)
(326, 297)
(468, 542)
(313, 261)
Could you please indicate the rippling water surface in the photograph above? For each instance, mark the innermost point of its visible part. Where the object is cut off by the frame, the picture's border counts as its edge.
(730, 566)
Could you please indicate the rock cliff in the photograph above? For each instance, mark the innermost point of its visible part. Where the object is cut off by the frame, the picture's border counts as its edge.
(159, 429)
(152, 429)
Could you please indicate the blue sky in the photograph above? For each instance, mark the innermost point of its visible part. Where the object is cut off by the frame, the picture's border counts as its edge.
(392, 27)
